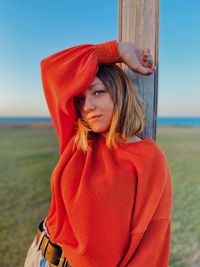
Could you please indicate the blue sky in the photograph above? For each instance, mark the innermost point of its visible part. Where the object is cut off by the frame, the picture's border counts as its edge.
(31, 30)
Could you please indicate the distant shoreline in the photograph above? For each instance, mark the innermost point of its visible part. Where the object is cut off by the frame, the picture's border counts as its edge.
(26, 125)
(46, 122)
(50, 125)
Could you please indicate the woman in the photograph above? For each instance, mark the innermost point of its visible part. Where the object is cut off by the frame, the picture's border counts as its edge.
(111, 189)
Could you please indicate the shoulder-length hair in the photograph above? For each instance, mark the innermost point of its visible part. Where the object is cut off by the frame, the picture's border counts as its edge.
(128, 113)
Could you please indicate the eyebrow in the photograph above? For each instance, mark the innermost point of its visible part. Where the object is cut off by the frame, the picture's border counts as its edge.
(91, 86)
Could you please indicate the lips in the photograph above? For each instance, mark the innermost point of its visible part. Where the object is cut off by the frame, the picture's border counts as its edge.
(94, 117)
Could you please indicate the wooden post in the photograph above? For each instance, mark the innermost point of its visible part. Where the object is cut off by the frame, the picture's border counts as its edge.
(138, 23)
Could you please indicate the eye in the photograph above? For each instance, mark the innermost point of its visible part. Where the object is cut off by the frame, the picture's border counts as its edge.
(99, 92)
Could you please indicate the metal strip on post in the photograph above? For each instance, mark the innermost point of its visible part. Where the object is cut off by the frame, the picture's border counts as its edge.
(156, 74)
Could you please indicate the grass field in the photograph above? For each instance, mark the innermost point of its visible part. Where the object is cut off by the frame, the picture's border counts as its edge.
(27, 158)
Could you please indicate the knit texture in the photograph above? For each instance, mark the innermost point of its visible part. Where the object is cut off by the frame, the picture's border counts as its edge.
(108, 52)
(109, 207)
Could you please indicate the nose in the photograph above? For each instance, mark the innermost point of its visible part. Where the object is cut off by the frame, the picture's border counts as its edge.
(88, 104)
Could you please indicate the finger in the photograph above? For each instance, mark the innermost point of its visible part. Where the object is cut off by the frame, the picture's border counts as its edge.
(146, 51)
(147, 64)
(148, 57)
(143, 70)
(142, 53)
(145, 57)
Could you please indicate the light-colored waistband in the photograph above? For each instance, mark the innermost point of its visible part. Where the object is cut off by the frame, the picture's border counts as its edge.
(45, 229)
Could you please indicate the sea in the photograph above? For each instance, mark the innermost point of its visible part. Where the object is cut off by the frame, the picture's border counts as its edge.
(161, 121)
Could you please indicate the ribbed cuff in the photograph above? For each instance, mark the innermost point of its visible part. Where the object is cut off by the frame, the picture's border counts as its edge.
(108, 53)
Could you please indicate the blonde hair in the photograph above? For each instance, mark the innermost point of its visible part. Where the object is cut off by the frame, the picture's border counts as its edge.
(128, 114)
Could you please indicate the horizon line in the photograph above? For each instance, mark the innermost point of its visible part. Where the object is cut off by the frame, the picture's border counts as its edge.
(49, 117)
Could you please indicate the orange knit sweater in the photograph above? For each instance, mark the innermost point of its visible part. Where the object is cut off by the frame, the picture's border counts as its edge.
(109, 207)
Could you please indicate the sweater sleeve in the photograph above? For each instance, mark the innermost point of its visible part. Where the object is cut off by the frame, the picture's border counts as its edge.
(149, 242)
(68, 73)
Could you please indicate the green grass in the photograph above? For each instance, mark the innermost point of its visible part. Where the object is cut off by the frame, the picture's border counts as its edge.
(182, 147)
(27, 158)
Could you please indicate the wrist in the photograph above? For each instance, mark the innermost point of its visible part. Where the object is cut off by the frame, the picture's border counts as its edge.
(125, 50)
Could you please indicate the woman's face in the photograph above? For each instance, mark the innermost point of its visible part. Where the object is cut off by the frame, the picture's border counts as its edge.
(96, 106)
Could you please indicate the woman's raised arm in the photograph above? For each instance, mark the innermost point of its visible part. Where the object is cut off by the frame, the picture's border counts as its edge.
(69, 72)
(138, 59)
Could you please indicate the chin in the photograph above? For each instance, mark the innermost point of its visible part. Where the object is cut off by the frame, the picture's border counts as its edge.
(100, 130)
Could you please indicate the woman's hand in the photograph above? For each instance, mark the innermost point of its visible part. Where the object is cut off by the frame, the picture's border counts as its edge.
(139, 60)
